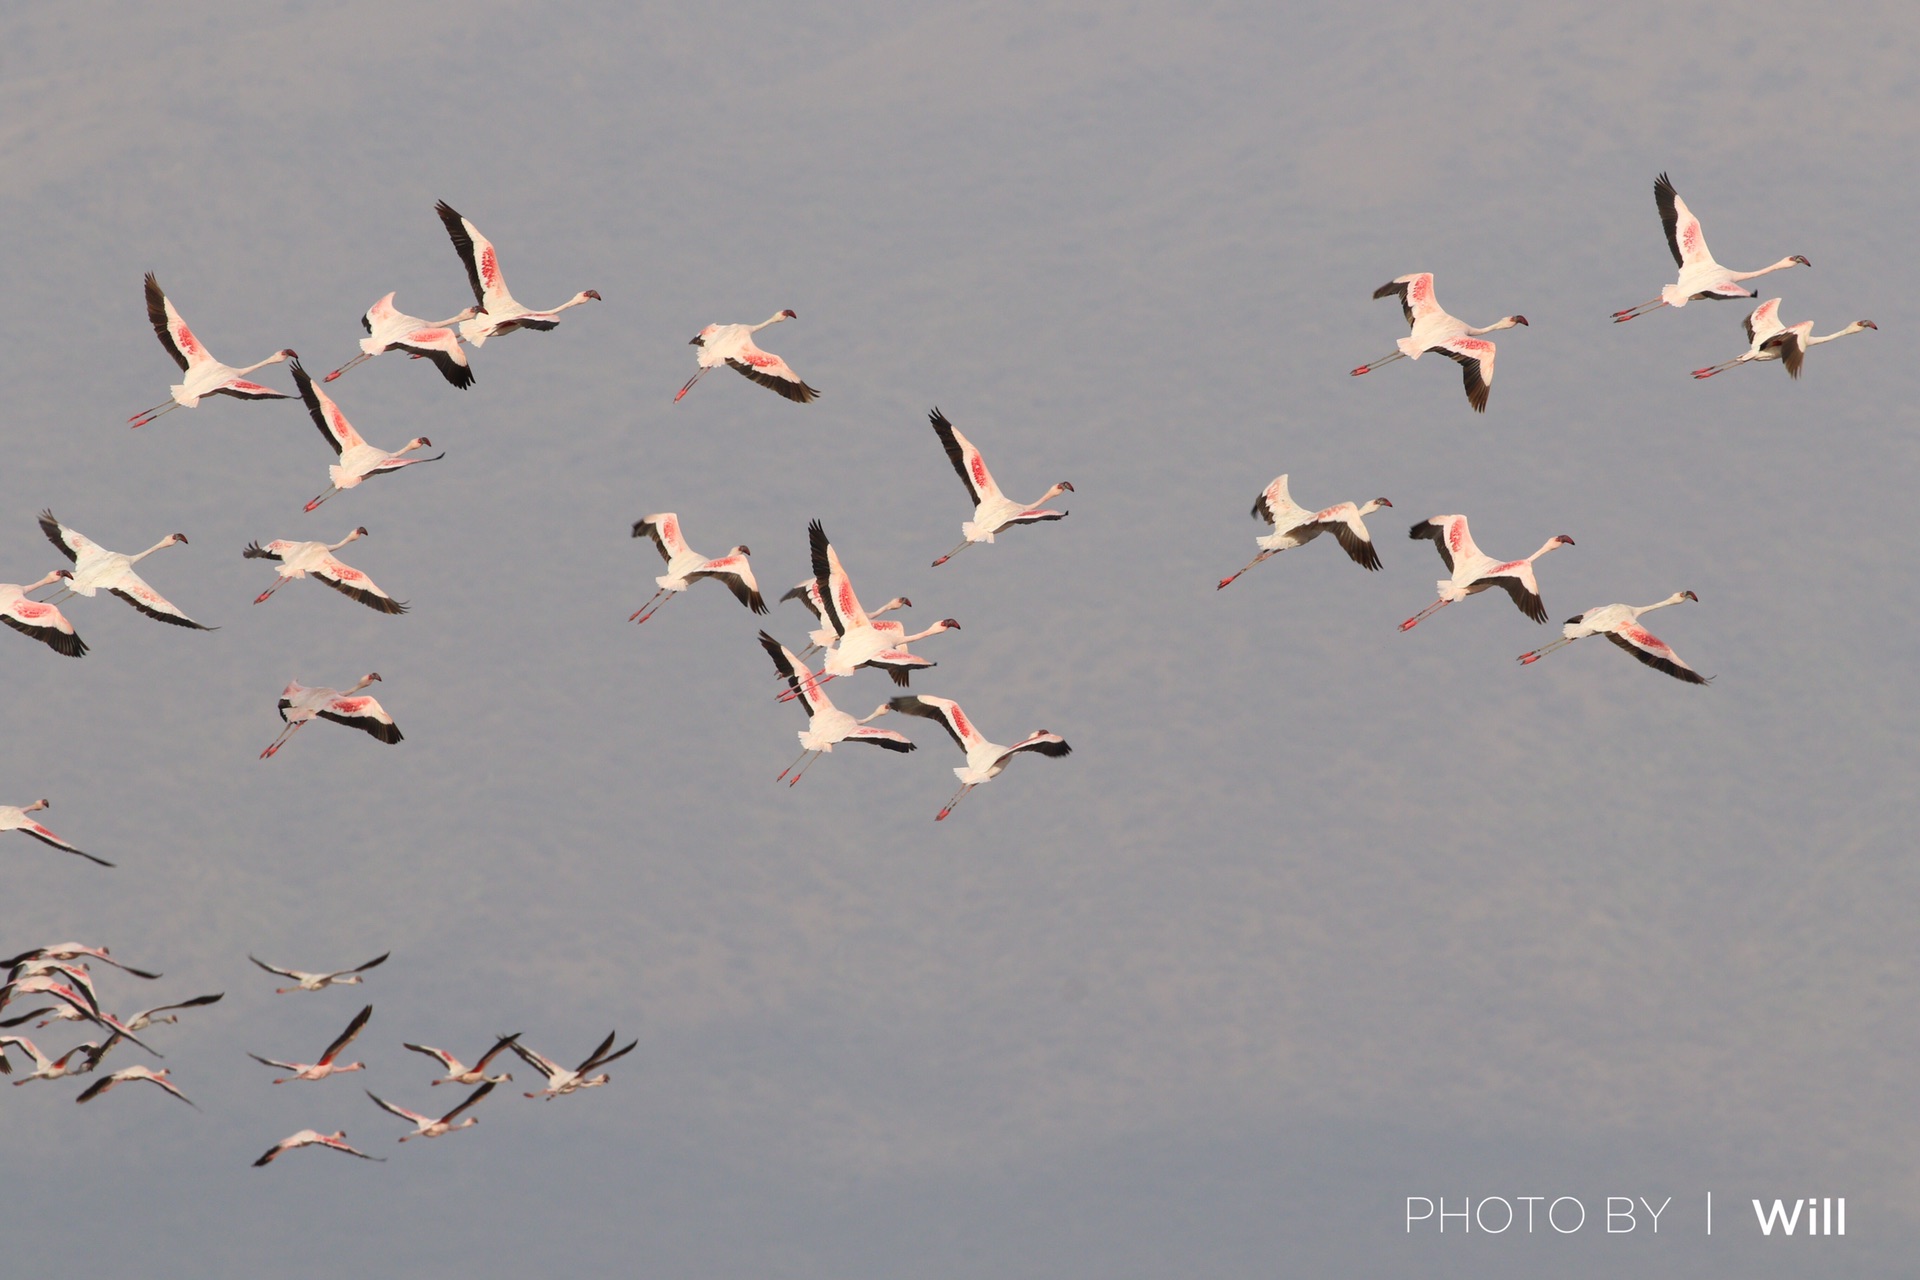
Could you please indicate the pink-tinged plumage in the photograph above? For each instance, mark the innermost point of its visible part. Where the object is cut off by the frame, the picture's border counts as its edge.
(561, 1081)
(318, 981)
(1620, 623)
(499, 311)
(1294, 526)
(205, 375)
(1769, 339)
(358, 459)
(390, 329)
(14, 818)
(860, 641)
(685, 566)
(97, 569)
(1474, 570)
(732, 345)
(985, 760)
(1434, 330)
(325, 1066)
(300, 704)
(337, 1140)
(827, 725)
(134, 1073)
(993, 511)
(298, 559)
(36, 618)
(1700, 276)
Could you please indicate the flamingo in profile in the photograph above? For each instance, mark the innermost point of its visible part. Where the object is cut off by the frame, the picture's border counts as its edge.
(14, 818)
(985, 760)
(826, 723)
(732, 345)
(1474, 570)
(96, 568)
(326, 1066)
(337, 1140)
(561, 1081)
(1700, 276)
(318, 981)
(993, 511)
(134, 1073)
(390, 329)
(205, 375)
(1435, 330)
(1295, 526)
(44, 622)
(299, 704)
(685, 566)
(45, 1068)
(1620, 623)
(458, 1072)
(358, 459)
(147, 1017)
(1769, 339)
(428, 1126)
(498, 311)
(73, 951)
(298, 559)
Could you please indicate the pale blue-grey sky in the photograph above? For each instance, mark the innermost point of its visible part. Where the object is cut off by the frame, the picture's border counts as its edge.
(1316, 917)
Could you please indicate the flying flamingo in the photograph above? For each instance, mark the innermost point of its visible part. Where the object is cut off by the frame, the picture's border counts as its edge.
(134, 1073)
(313, 1138)
(499, 312)
(81, 1003)
(458, 1072)
(808, 594)
(1620, 623)
(326, 1066)
(1474, 570)
(1768, 339)
(205, 375)
(993, 511)
(95, 567)
(298, 559)
(826, 723)
(299, 704)
(862, 641)
(45, 1068)
(43, 622)
(427, 1126)
(561, 1081)
(147, 1017)
(358, 459)
(732, 344)
(985, 760)
(74, 951)
(1295, 526)
(1700, 276)
(685, 566)
(317, 981)
(390, 329)
(1435, 330)
(14, 818)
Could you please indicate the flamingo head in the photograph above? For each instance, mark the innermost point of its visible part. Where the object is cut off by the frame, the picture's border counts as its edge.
(787, 315)
(948, 624)
(1375, 505)
(1867, 324)
(180, 538)
(1561, 540)
(591, 293)
(38, 804)
(285, 353)
(469, 313)
(1688, 595)
(63, 573)
(361, 532)
(1519, 320)
(1799, 260)
(742, 550)
(901, 602)
(373, 676)
(1064, 486)
(418, 442)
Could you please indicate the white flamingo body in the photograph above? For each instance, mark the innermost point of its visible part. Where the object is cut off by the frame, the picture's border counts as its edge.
(1769, 339)
(1620, 623)
(859, 640)
(993, 511)
(435, 1126)
(457, 1072)
(1700, 276)
(1295, 526)
(1434, 330)
(358, 459)
(827, 725)
(36, 618)
(14, 818)
(326, 1066)
(95, 568)
(205, 375)
(74, 950)
(298, 559)
(1474, 570)
(337, 1140)
(500, 311)
(147, 1017)
(318, 981)
(390, 329)
(45, 1068)
(560, 1080)
(300, 704)
(685, 566)
(732, 345)
(133, 1073)
(823, 636)
(985, 760)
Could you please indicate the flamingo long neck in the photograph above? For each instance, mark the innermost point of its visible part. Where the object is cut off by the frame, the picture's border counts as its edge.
(1675, 598)
(574, 301)
(1781, 265)
(51, 577)
(1551, 543)
(164, 542)
(936, 627)
(1505, 322)
(775, 318)
(275, 358)
(878, 711)
(1855, 327)
(335, 546)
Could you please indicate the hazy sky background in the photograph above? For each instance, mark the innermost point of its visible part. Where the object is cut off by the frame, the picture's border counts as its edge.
(1316, 917)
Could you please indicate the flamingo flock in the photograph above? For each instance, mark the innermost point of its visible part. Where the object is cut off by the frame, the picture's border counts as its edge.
(57, 980)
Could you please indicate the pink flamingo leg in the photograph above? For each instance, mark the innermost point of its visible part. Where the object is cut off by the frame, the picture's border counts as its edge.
(1422, 616)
